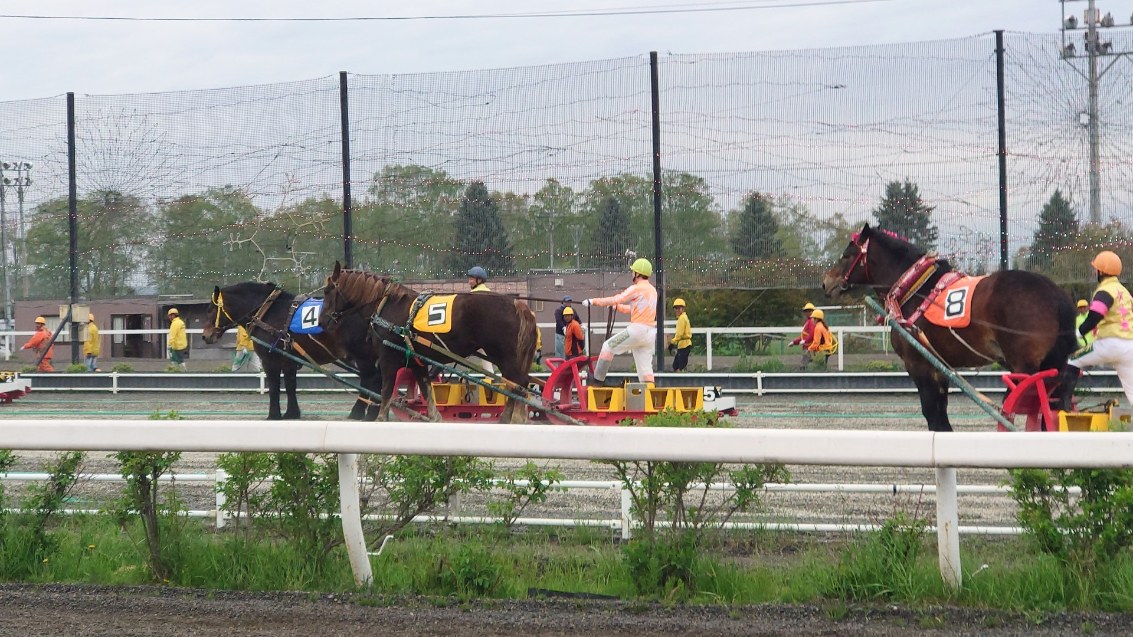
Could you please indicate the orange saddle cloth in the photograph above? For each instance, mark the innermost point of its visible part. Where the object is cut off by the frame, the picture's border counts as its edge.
(952, 306)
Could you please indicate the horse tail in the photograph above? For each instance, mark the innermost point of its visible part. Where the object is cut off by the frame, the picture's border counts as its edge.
(528, 333)
(1066, 342)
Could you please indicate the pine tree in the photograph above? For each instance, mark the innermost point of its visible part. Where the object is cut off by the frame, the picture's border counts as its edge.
(480, 237)
(903, 211)
(753, 230)
(610, 238)
(1058, 230)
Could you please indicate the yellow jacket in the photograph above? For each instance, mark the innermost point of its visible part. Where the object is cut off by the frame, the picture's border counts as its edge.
(683, 337)
(93, 345)
(1115, 323)
(178, 338)
(243, 339)
(481, 288)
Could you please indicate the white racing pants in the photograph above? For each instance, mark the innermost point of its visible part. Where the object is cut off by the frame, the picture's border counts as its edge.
(636, 338)
(1117, 352)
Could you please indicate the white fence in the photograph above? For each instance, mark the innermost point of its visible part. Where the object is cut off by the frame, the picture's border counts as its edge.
(943, 452)
(872, 333)
(625, 522)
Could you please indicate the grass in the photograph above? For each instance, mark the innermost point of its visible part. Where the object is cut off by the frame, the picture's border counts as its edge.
(465, 563)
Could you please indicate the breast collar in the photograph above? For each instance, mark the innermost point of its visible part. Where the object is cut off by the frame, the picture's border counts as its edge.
(910, 283)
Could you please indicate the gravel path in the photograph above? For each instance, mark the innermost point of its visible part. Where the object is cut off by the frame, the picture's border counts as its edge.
(95, 611)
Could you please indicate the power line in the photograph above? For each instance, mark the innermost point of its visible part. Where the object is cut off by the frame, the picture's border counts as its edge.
(663, 9)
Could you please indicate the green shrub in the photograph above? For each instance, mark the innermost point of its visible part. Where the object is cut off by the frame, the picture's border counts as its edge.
(883, 366)
(1083, 531)
(539, 483)
(468, 571)
(677, 515)
(747, 365)
(76, 368)
(122, 368)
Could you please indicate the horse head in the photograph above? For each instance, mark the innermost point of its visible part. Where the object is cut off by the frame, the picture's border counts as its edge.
(221, 321)
(852, 268)
(348, 291)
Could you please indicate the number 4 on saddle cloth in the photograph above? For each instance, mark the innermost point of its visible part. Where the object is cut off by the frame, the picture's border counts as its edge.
(305, 316)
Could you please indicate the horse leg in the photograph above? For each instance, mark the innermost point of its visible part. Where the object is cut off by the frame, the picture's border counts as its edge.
(388, 375)
(933, 392)
(289, 382)
(371, 379)
(273, 395)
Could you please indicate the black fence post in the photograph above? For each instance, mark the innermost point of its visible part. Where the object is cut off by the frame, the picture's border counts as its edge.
(73, 223)
(347, 205)
(1001, 107)
(658, 253)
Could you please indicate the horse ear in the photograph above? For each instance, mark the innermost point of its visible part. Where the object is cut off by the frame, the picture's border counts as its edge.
(337, 269)
(215, 293)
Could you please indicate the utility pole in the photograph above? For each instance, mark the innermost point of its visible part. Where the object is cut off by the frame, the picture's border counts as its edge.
(20, 182)
(1095, 50)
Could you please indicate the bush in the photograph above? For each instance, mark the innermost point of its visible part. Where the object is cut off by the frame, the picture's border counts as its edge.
(679, 513)
(76, 368)
(122, 368)
(1082, 531)
(746, 365)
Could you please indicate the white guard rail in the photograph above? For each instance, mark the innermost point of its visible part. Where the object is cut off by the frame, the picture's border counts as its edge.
(943, 452)
(878, 333)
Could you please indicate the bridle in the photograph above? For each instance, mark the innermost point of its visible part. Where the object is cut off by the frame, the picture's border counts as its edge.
(255, 317)
(859, 259)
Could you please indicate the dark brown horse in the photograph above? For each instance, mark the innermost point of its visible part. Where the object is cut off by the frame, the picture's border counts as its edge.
(492, 326)
(1019, 319)
(266, 310)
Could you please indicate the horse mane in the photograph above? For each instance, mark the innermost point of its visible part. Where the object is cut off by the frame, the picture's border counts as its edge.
(364, 287)
(902, 247)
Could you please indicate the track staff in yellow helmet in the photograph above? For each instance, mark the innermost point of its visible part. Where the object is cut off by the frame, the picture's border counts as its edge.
(807, 335)
(640, 302)
(39, 342)
(681, 344)
(178, 340)
(1110, 318)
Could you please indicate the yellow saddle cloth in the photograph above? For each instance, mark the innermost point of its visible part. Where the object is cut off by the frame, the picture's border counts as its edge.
(435, 315)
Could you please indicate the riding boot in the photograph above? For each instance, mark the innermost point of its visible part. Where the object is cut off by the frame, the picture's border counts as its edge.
(601, 368)
(1064, 391)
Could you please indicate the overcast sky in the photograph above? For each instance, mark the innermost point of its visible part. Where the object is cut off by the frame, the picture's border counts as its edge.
(47, 57)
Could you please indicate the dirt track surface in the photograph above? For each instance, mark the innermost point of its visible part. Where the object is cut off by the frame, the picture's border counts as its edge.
(63, 611)
(96, 611)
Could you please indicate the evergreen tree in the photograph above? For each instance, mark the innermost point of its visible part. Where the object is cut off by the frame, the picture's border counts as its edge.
(1058, 230)
(610, 238)
(480, 237)
(753, 230)
(903, 211)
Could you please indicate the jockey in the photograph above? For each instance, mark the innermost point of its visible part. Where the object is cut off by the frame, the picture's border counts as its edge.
(477, 279)
(640, 302)
(1107, 319)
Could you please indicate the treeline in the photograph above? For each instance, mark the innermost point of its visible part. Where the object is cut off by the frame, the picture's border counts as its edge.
(418, 222)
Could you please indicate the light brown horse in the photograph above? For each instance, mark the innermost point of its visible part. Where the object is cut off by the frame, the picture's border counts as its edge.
(492, 326)
(1021, 320)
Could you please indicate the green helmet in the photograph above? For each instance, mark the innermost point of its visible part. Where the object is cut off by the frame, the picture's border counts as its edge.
(642, 267)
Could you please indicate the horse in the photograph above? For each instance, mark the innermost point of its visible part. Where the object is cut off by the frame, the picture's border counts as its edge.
(492, 326)
(266, 310)
(1020, 320)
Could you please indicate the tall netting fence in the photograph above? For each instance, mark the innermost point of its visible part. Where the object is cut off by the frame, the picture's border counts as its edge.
(770, 161)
